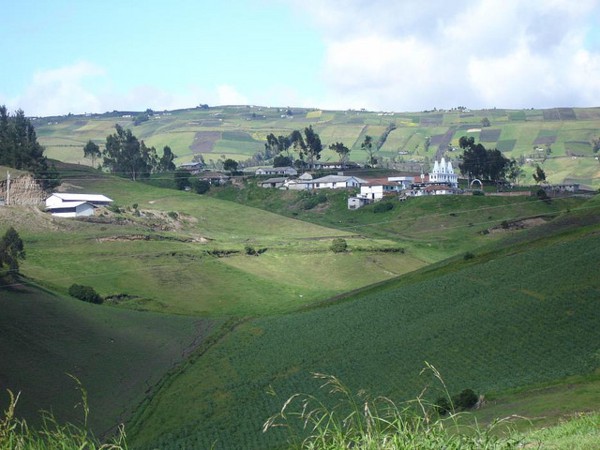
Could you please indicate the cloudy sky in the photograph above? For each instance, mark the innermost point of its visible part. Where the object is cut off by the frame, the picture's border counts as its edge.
(66, 56)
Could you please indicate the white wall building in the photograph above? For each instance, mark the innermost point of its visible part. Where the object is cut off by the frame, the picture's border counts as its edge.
(75, 205)
(443, 172)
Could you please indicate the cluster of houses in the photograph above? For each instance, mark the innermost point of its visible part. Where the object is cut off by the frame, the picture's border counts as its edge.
(440, 181)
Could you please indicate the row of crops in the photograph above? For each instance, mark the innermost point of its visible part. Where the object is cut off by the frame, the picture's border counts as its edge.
(520, 319)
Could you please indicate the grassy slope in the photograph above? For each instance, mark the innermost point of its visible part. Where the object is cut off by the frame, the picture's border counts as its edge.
(173, 271)
(116, 354)
(431, 228)
(239, 135)
(501, 320)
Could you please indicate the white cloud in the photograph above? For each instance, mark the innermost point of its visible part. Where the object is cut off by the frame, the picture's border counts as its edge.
(412, 55)
(228, 95)
(61, 90)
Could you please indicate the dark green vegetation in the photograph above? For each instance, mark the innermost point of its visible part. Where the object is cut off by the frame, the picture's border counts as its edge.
(11, 251)
(20, 149)
(563, 143)
(119, 354)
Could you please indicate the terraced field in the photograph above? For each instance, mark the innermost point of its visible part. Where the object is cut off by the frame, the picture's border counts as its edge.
(240, 132)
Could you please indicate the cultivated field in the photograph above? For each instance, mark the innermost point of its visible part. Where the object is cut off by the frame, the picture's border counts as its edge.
(240, 132)
(499, 320)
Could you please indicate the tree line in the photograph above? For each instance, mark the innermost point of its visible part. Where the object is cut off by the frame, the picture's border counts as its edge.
(20, 149)
(124, 154)
(303, 148)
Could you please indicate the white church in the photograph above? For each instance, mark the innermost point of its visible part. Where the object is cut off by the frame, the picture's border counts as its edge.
(443, 173)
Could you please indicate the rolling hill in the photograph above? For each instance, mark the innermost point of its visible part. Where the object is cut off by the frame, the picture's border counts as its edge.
(239, 132)
(498, 293)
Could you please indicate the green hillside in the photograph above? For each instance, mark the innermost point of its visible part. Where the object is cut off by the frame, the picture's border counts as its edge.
(117, 355)
(240, 132)
(499, 293)
(518, 313)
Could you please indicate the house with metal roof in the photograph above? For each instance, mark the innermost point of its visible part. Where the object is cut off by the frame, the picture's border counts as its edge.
(75, 205)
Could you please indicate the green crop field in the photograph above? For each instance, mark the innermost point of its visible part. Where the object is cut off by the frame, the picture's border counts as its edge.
(497, 321)
(117, 355)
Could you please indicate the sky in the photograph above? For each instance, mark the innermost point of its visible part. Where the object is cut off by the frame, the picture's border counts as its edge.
(67, 56)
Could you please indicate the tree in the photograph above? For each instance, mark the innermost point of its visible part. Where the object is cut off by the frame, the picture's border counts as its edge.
(342, 152)
(275, 145)
(479, 162)
(539, 175)
(308, 146)
(514, 171)
(166, 164)
(367, 146)
(124, 154)
(91, 150)
(20, 149)
(485, 122)
(230, 165)
(282, 161)
(11, 250)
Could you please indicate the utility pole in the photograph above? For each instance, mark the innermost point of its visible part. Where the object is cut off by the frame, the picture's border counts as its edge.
(7, 188)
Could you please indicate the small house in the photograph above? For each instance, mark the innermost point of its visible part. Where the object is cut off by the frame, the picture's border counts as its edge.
(277, 182)
(285, 171)
(336, 182)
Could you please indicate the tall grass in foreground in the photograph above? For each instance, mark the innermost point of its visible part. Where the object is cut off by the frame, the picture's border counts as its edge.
(15, 434)
(361, 423)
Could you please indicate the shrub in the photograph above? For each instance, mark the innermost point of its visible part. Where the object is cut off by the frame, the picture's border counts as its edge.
(478, 193)
(468, 256)
(311, 200)
(201, 186)
(339, 245)
(541, 194)
(85, 293)
(173, 215)
(113, 207)
(382, 207)
(465, 400)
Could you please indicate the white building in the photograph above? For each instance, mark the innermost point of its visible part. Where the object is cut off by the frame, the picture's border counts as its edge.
(336, 182)
(286, 171)
(72, 209)
(443, 172)
(75, 205)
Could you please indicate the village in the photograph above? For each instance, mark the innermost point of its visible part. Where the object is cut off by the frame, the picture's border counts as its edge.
(441, 180)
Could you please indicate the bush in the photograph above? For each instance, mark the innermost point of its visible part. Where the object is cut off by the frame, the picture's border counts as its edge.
(465, 400)
(541, 194)
(173, 215)
(339, 245)
(85, 293)
(201, 186)
(468, 256)
(382, 207)
(478, 193)
(311, 200)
